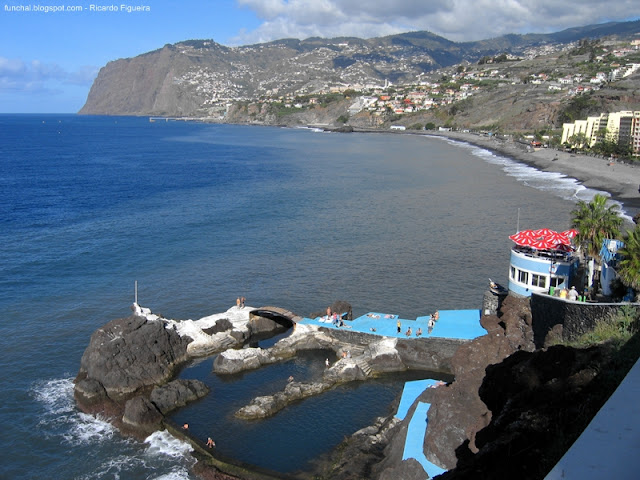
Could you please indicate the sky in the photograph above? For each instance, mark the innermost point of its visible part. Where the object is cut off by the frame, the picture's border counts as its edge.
(50, 56)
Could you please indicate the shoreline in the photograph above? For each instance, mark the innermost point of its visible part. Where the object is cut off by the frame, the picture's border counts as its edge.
(620, 180)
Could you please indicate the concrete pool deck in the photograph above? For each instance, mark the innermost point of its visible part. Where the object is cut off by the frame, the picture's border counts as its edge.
(416, 432)
(459, 324)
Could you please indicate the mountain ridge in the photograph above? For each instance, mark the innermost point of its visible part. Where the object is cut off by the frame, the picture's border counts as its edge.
(202, 78)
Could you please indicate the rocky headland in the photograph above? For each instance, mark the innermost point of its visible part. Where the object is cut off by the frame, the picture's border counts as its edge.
(511, 410)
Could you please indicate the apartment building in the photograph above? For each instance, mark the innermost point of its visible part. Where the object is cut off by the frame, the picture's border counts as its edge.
(622, 127)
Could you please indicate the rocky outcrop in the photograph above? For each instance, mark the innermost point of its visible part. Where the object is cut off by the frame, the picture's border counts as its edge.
(540, 403)
(125, 371)
(177, 394)
(344, 370)
(303, 338)
(236, 361)
(265, 406)
(126, 356)
(459, 411)
(357, 456)
(144, 415)
(141, 417)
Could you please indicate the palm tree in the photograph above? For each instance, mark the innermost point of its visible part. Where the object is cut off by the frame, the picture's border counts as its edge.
(596, 221)
(629, 266)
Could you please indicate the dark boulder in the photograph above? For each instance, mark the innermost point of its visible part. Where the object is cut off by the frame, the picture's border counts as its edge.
(260, 326)
(177, 394)
(222, 325)
(91, 391)
(141, 416)
(127, 355)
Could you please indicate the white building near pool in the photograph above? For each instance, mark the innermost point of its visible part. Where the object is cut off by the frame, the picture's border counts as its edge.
(538, 271)
(541, 261)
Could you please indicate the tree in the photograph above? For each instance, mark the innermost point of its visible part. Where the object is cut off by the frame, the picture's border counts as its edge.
(629, 266)
(579, 140)
(595, 222)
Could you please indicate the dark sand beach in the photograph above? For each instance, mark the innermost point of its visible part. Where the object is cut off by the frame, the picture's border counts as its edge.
(621, 180)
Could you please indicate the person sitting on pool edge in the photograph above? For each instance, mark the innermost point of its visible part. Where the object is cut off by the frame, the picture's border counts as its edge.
(408, 332)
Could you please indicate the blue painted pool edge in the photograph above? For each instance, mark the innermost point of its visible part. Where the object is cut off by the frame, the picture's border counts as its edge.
(416, 432)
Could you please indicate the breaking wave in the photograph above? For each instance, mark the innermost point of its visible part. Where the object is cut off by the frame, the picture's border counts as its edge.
(554, 183)
(160, 457)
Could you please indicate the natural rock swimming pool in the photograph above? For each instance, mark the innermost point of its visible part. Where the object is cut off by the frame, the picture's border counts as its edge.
(294, 439)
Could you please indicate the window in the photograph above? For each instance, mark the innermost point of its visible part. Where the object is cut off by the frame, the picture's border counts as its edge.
(523, 277)
(555, 281)
(513, 273)
(539, 281)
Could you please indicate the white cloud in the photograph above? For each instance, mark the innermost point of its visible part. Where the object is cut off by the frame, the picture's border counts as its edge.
(35, 76)
(458, 20)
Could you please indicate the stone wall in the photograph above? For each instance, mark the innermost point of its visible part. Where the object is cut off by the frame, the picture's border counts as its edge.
(432, 353)
(491, 303)
(567, 318)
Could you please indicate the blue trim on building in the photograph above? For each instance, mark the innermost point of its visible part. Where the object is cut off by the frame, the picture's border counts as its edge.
(561, 268)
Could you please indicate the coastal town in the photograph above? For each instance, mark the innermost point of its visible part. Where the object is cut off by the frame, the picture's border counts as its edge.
(562, 72)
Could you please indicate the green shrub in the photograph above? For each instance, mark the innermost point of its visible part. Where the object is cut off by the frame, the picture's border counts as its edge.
(617, 329)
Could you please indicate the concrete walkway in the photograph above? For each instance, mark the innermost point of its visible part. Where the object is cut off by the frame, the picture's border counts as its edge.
(417, 428)
(416, 432)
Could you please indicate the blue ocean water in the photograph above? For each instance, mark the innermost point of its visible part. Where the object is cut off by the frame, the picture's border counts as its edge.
(198, 214)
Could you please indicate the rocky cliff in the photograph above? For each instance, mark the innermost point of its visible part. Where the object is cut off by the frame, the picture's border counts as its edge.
(145, 85)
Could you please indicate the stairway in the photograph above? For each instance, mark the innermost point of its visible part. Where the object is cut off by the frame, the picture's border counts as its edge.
(363, 365)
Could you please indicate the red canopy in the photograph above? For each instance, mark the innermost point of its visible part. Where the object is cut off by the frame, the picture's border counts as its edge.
(543, 239)
(571, 233)
(523, 237)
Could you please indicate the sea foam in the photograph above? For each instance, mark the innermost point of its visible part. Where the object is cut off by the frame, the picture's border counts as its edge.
(61, 421)
(554, 183)
(61, 416)
(163, 443)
